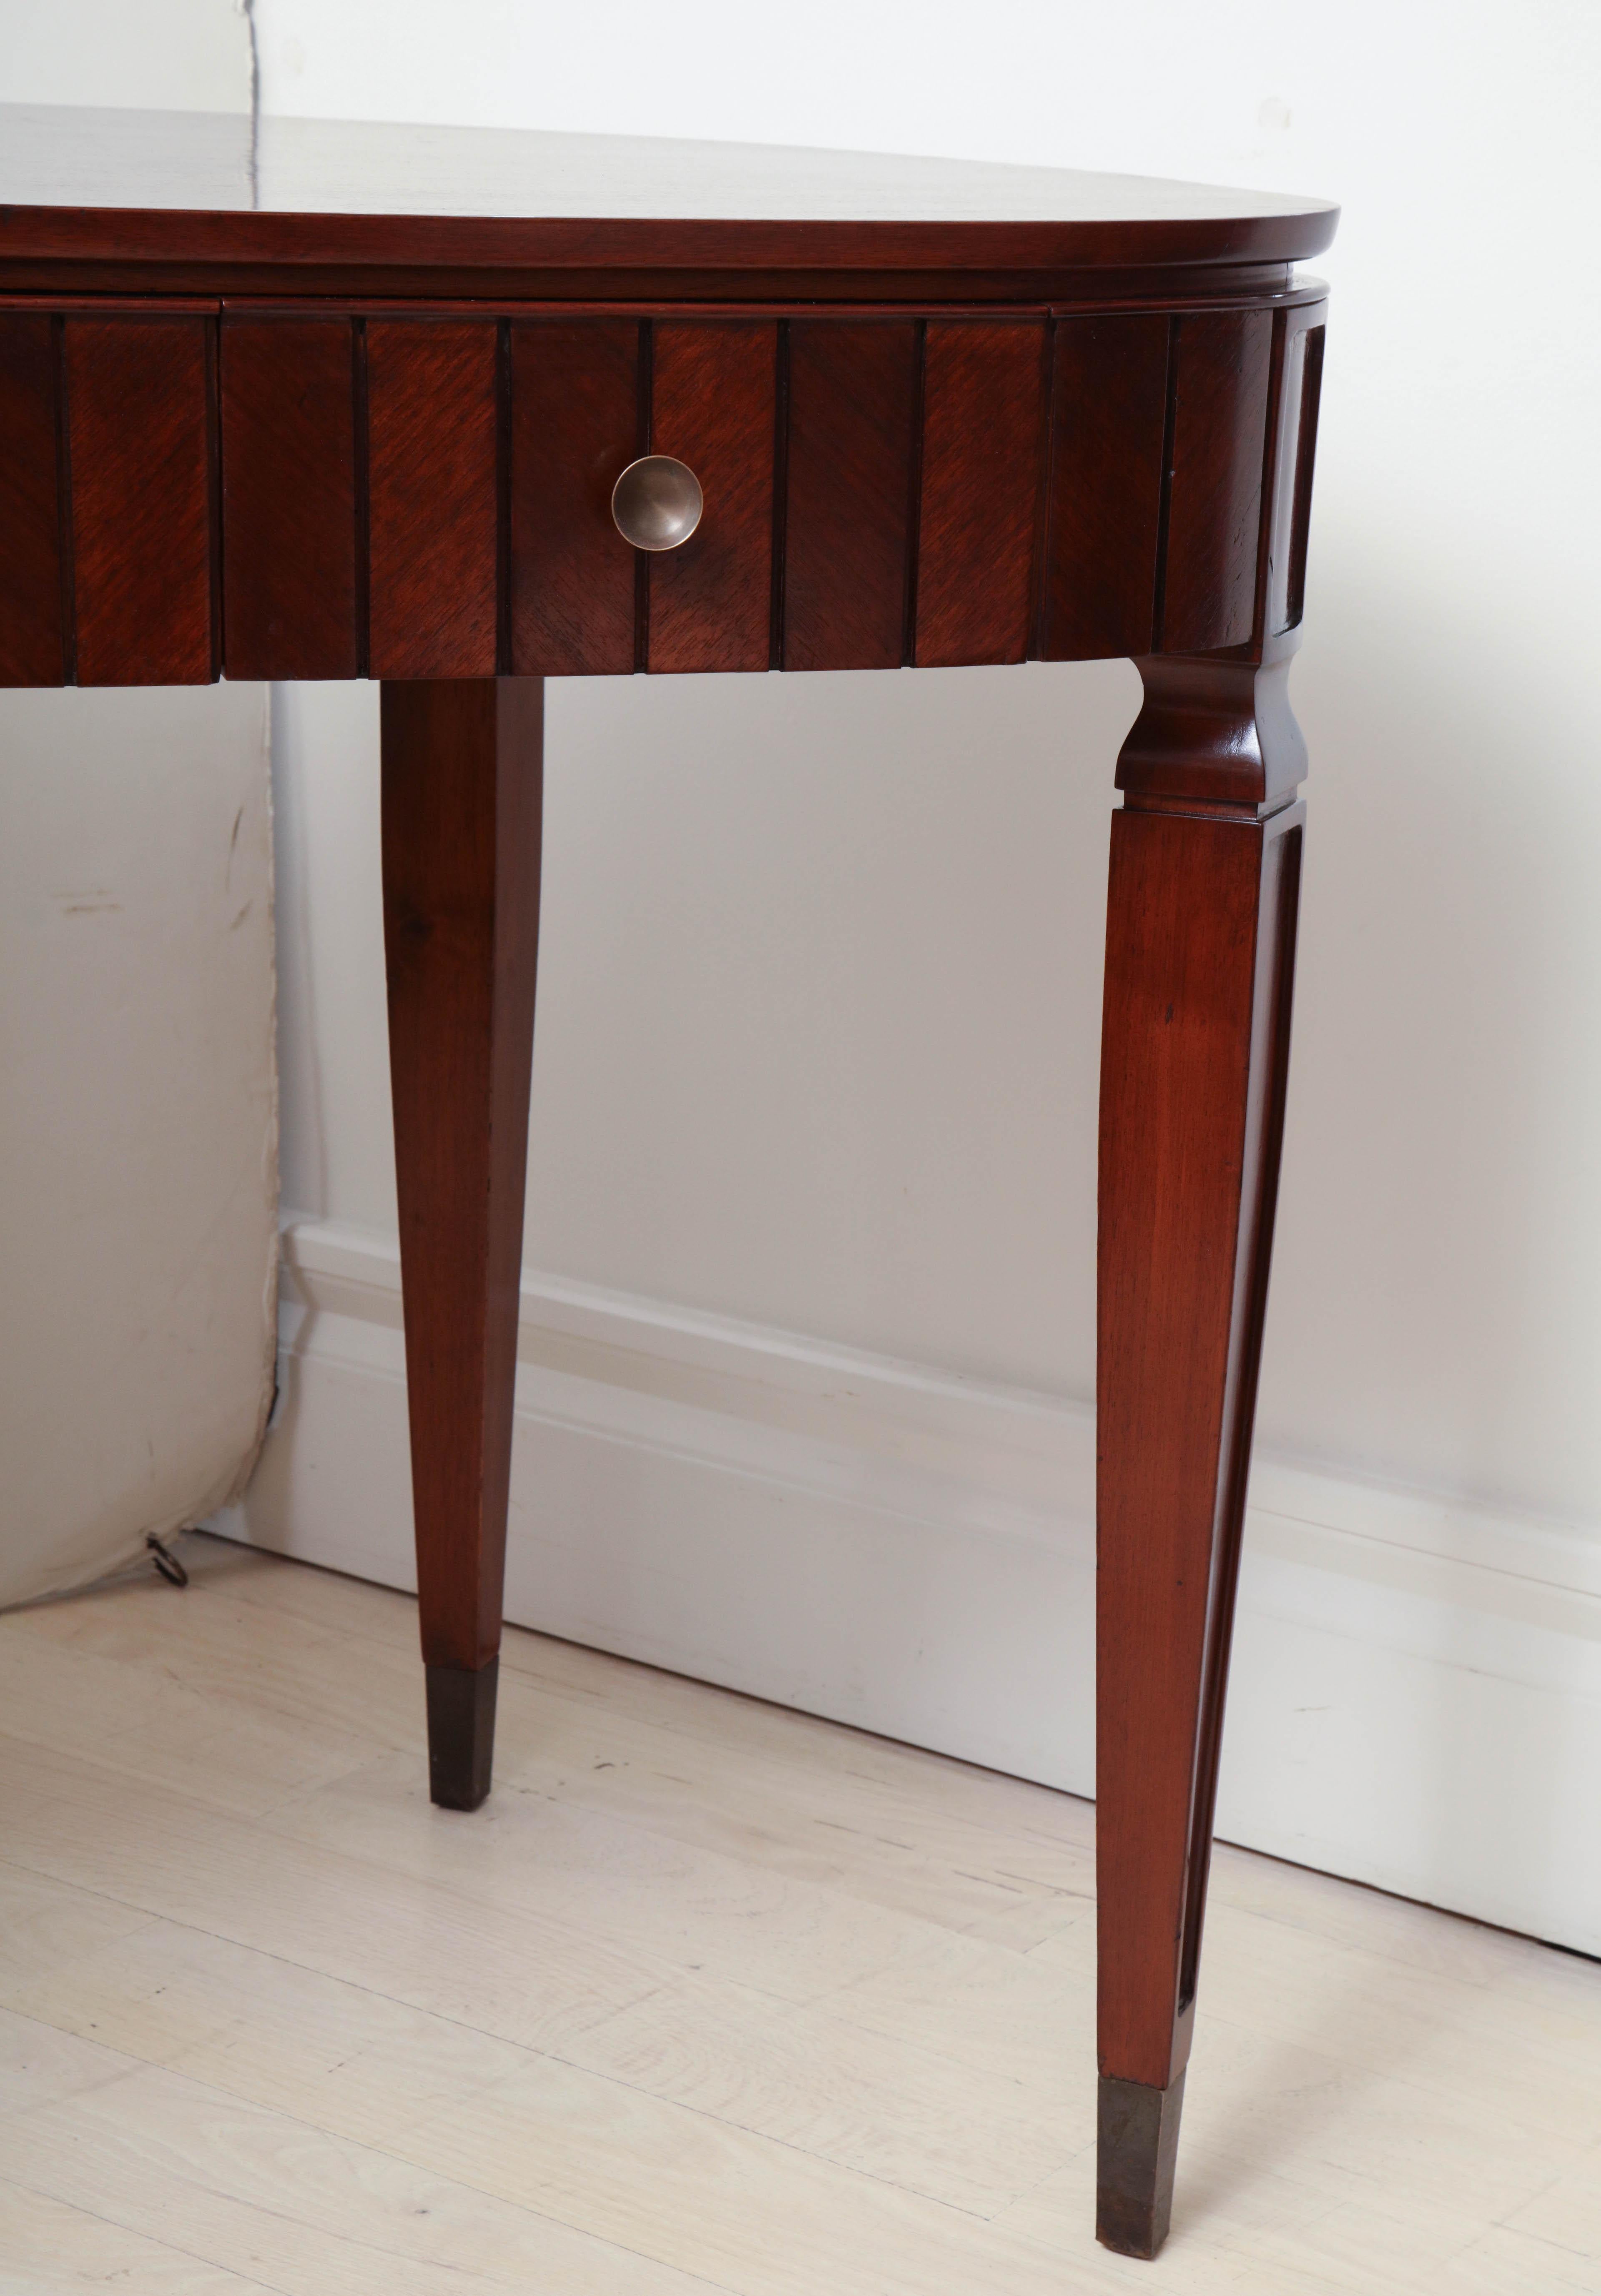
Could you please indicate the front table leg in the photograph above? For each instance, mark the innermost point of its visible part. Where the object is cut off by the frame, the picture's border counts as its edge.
(463, 763)
(1199, 952)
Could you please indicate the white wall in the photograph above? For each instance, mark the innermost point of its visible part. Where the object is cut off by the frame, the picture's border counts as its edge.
(169, 55)
(820, 975)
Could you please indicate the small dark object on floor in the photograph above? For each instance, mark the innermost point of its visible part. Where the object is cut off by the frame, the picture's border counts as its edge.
(166, 1563)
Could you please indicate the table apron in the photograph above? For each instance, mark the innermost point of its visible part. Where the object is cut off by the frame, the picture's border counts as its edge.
(308, 491)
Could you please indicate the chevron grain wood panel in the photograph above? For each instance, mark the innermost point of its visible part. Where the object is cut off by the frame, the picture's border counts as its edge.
(30, 566)
(983, 426)
(289, 498)
(713, 393)
(432, 430)
(852, 419)
(1109, 413)
(575, 424)
(140, 422)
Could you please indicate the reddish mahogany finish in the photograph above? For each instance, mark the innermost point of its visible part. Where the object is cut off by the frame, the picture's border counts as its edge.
(851, 469)
(433, 425)
(1200, 965)
(1108, 436)
(929, 442)
(1199, 950)
(713, 395)
(31, 558)
(575, 425)
(463, 765)
(141, 425)
(290, 576)
(1301, 386)
(158, 250)
(983, 446)
(1208, 591)
(415, 496)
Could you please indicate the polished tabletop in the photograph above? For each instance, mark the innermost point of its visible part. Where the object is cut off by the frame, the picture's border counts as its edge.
(81, 185)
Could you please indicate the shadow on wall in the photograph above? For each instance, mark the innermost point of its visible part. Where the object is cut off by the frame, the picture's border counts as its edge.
(1436, 1306)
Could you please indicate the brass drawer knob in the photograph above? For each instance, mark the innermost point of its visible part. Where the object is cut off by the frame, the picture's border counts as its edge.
(657, 503)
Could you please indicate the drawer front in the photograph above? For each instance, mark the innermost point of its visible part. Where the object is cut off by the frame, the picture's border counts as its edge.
(412, 496)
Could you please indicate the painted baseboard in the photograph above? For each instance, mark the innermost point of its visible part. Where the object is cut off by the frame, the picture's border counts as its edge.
(1416, 1698)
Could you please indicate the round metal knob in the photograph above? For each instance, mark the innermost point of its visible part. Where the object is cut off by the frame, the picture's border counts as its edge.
(657, 503)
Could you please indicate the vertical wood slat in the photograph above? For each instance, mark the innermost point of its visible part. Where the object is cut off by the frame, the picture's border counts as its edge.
(853, 414)
(433, 497)
(32, 648)
(139, 419)
(982, 436)
(575, 423)
(1215, 489)
(712, 390)
(1300, 390)
(289, 498)
(1108, 423)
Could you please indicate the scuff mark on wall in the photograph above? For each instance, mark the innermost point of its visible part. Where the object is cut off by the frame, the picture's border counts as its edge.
(246, 10)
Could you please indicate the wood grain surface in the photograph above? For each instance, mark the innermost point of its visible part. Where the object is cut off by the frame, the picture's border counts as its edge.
(1219, 437)
(713, 406)
(853, 394)
(1109, 417)
(288, 497)
(433, 444)
(462, 768)
(31, 649)
(575, 421)
(140, 423)
(1200, 961)
(983, 446)
(1300, 392)
(430, 496)
(346, 214)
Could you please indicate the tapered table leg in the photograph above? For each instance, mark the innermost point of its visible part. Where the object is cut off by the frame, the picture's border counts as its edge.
(1200, 953)
(462, 801)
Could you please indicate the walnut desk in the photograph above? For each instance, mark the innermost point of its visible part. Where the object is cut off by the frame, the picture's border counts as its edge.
(463, 410)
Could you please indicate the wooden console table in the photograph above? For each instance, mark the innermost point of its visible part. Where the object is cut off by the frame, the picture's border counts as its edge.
(462, 411)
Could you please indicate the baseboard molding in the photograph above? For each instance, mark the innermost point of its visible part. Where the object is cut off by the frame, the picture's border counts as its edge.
(1416, 1698)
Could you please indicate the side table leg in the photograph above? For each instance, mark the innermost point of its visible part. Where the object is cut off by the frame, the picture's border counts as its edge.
(463, 766)
(1200, 956)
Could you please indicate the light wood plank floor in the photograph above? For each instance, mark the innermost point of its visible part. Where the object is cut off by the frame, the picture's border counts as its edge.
(711, 1997)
